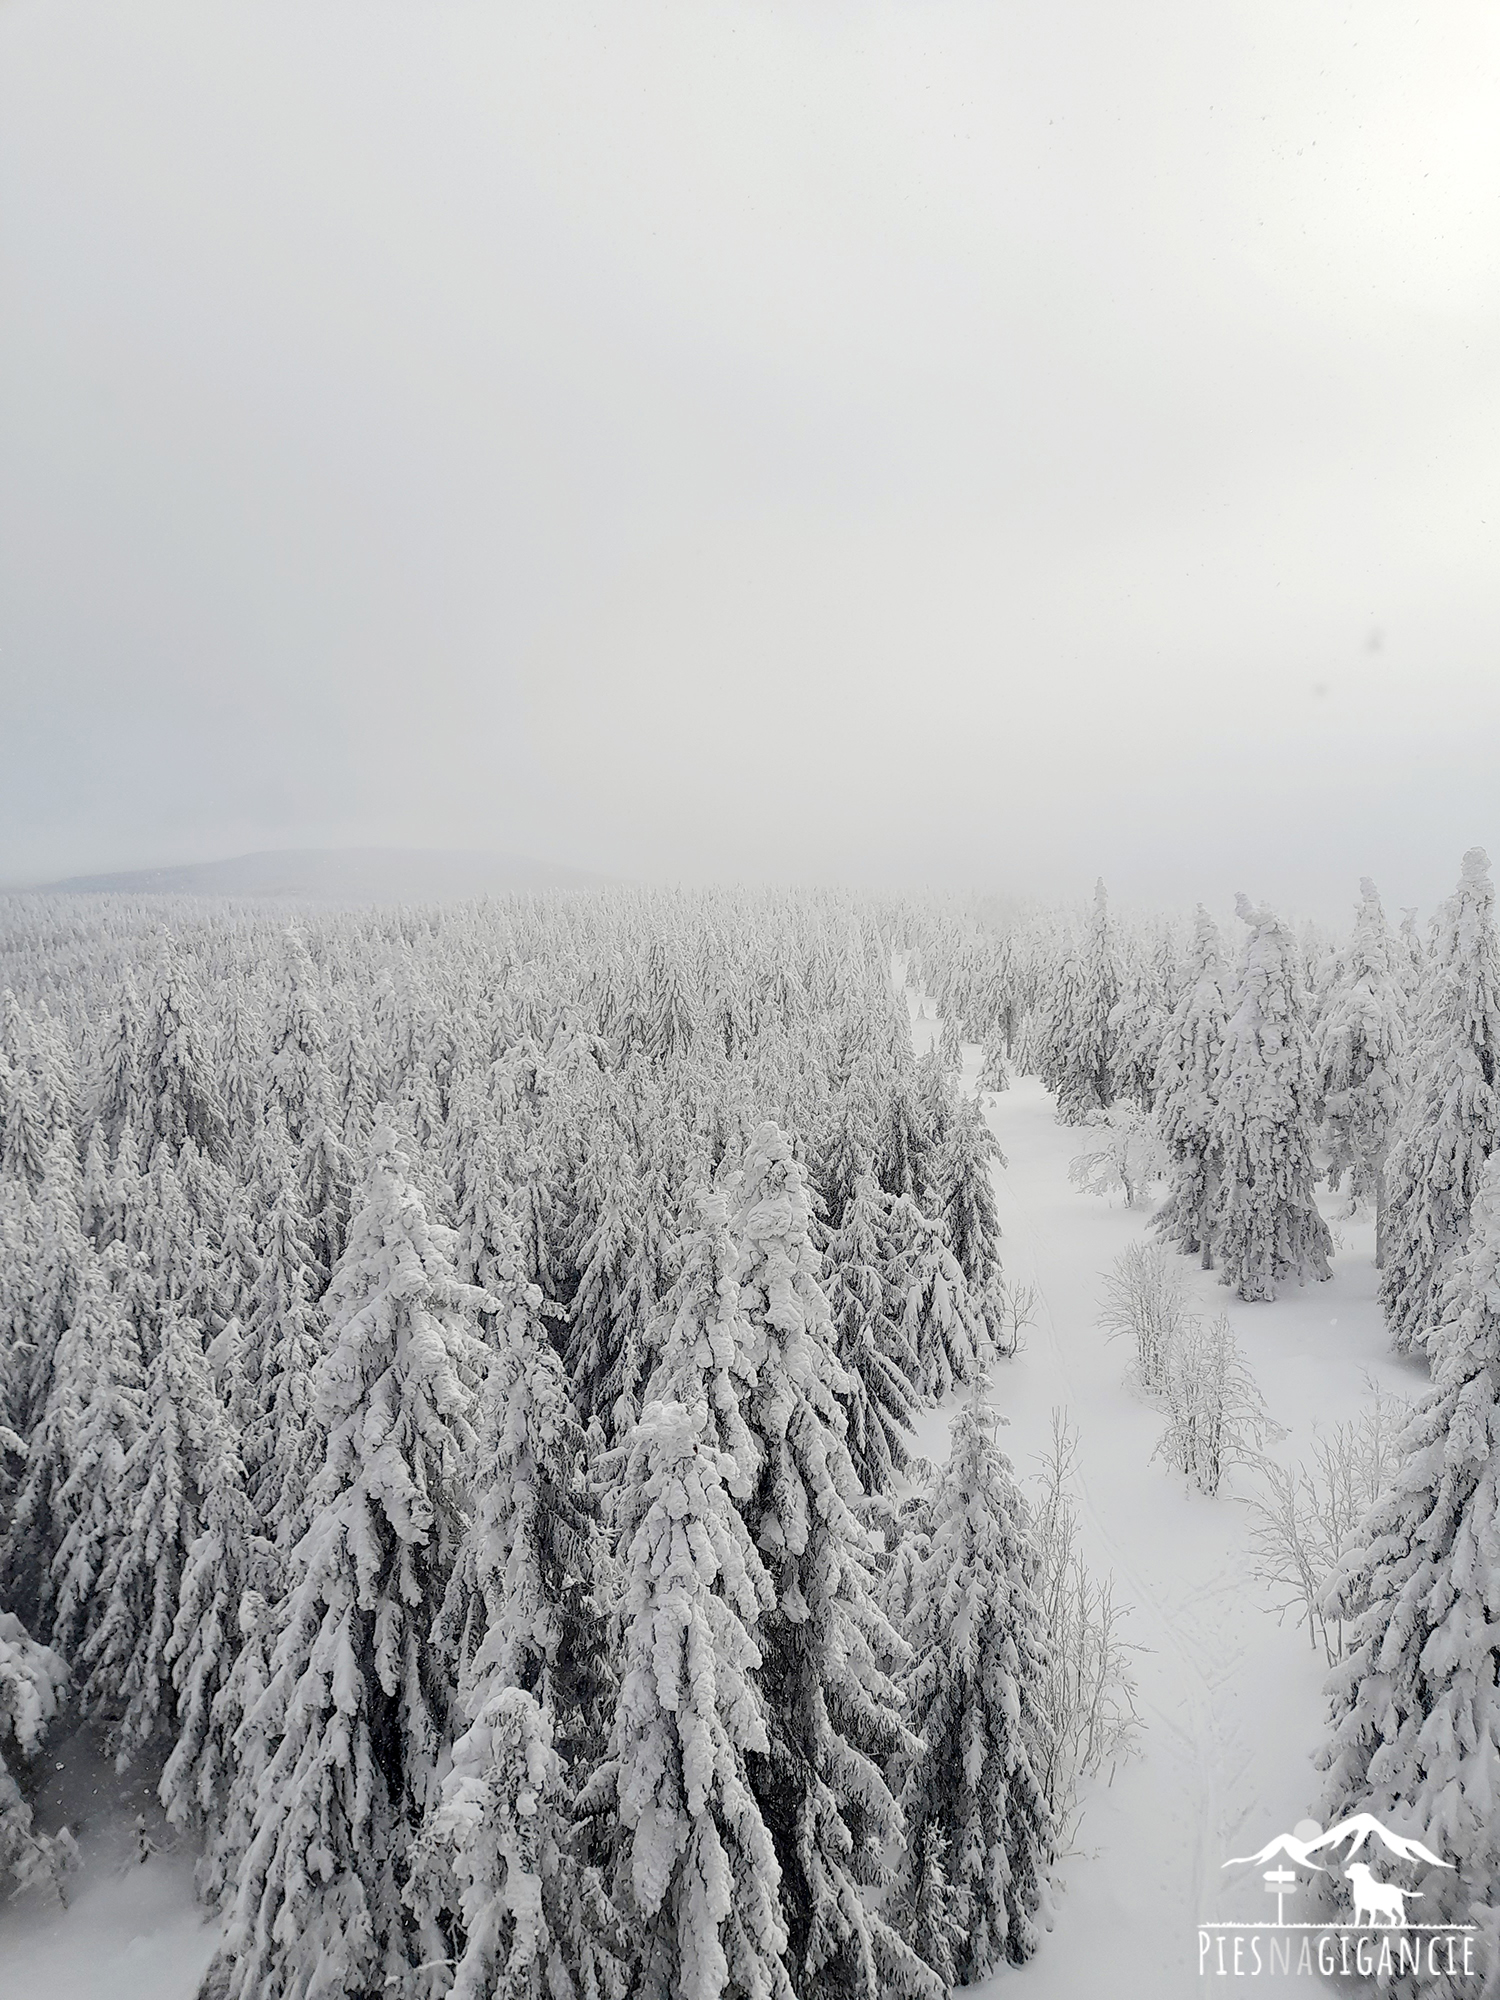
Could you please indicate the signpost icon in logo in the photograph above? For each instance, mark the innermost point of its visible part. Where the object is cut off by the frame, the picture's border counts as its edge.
(1278, 1881)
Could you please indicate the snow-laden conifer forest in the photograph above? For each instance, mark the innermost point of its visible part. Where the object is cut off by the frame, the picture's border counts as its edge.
(725, 1443)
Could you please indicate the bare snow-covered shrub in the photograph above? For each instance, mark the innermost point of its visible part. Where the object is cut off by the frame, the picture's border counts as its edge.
(1147, 1299)
(1123, 1156)
(1215, 1414)
(1008, 1309)
(1309, 1517)
(1090, 1690)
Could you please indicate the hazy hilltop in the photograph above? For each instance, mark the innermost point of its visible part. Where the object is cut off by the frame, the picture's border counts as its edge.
(342, 875)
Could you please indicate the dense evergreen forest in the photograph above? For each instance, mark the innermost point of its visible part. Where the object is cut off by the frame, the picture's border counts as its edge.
(459, 1368)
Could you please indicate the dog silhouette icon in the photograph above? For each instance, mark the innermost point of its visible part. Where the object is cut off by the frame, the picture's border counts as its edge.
(1382, 1900)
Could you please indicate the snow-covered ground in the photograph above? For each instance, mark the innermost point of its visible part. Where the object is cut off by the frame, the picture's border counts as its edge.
(132, 1929)
(1229, 1698)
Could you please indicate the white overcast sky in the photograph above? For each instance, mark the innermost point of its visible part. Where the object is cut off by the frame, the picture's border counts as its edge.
(987, 443)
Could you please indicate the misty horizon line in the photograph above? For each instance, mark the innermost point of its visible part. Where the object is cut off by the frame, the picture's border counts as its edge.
(353, 872)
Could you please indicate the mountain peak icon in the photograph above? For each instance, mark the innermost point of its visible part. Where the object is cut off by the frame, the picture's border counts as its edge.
(1284, 1844)
(1360, 1827)
(1357, 1829)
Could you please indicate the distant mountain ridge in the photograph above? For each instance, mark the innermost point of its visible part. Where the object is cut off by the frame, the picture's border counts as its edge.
(342, 875)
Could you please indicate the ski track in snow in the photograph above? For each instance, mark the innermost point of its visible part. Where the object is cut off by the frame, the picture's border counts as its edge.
(1230, 1699)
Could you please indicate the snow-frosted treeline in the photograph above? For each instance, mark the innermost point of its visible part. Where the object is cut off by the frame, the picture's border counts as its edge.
(457, 1372)
(1366, 1061)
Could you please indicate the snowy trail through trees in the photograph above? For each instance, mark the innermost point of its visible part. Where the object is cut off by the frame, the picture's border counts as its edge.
(1118, 1904)
(1230, 1699)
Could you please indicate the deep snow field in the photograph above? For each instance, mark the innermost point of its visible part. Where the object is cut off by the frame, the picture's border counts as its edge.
(1229, 1698)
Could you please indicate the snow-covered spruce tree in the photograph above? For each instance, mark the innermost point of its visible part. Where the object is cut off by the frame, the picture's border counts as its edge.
(705, 1362)
(534, 1924)
(965, 1194)
(23, 1128)
(667, 1009)
(850, 1148)
(534, 1207)
(357, 1708)
(1266, 1224)
(32, 1679)
(833, 1708)
(177, 1093)
(936, 1105)
(93, 1192)
(698, 1866)
(354, 1084)
(1361, 1049)
(158, 1504)
(286, 1434)
(1084, 1053)
(930, 1913)
(950, 1048)
(97, 1403)
(170, 1254)
(203, 1647)
(977, 1685)
(902, 1159)
(1139, 1024)
(328, 1182)
(1414, 1727)
(965, 1200)
(1410, 958)
(492, 1249)
(37, 1520)
(54, 1072)
(231, 1824)
(127, 1194)
(1186, 1096)
(116, 1091)
(240, 1061)
(623, 1263)
(270, 1376)
(1450, 1122)
(994, 1068)
(239, 1267)
(52, 1278)
(519, 1609)
(940, 1317)
(298, 1082)
(871, 1344)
